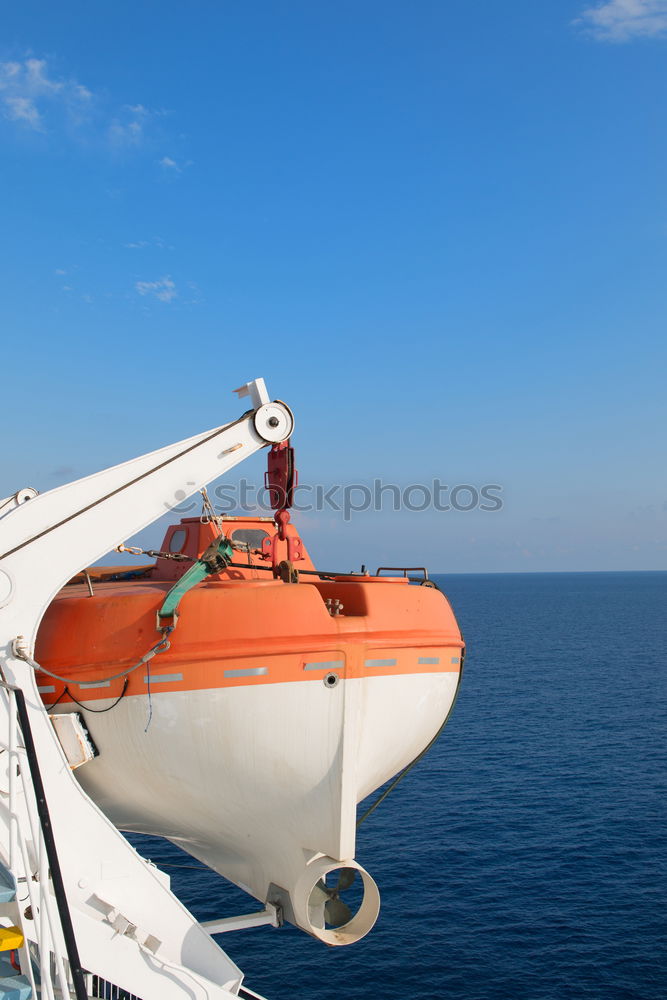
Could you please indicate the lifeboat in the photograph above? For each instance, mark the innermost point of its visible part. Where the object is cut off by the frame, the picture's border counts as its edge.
(242, 703)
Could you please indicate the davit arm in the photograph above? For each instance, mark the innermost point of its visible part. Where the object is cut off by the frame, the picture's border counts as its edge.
(160, 951)
(48, 538)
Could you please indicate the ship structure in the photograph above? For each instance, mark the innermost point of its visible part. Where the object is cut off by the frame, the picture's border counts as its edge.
(229, 696)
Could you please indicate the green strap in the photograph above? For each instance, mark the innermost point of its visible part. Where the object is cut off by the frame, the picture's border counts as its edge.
(215, 559)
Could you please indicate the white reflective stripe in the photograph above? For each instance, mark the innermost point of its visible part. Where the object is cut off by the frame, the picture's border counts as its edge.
(456, 659)
(247, 672)
(380, 663)
(47, 690)
(163, 678)
(428, 659)
(94, 684)
(325, 665)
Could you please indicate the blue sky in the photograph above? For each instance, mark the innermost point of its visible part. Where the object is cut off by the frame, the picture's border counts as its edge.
(439, 230)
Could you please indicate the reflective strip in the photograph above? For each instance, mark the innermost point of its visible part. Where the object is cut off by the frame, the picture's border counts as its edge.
(47, 690)
(456, 659)
(163, 678)
(247, 672)
(428, 659)
(380, 663)
(325, 665)
(95, 684)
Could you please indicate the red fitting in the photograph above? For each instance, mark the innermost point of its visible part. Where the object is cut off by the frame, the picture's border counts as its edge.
(282, 519)
(281, 477)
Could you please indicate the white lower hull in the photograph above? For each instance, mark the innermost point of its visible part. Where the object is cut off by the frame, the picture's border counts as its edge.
(253, 779)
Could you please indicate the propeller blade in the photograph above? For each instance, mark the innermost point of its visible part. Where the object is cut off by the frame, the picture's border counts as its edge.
(337, 913)
(319, 894)
(346, 878)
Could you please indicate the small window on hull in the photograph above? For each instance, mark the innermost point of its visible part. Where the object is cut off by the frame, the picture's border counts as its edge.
(252, 537)
(177, 540)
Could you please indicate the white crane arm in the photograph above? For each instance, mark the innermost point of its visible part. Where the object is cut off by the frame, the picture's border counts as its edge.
(47, 539)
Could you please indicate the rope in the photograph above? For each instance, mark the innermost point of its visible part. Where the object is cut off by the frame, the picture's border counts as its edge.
(7, 501)
(159, 647)
(241, 547)
(150, 700)
(155, 553)
(125, 486)
(406, 770)
(97, 711)
(60, 697)
(208, 514)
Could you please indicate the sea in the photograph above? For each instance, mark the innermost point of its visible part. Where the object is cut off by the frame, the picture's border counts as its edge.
(525, 857)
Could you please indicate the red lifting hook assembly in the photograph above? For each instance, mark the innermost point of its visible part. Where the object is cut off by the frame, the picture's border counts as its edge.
(281, 479)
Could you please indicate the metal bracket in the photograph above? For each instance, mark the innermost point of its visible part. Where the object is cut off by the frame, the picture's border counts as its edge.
(271, 915)
(257, 391)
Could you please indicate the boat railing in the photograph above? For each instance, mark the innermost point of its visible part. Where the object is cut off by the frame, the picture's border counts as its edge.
(405, 571)
(47, 960)
(101, 989)
(36, 867)
(97, 987)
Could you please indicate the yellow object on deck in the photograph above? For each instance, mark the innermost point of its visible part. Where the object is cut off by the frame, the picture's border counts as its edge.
(10, 938)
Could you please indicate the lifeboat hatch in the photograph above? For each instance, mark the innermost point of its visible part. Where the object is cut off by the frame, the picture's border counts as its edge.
(73, 736)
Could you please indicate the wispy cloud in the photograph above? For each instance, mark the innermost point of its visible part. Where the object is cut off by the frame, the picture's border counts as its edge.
(22, 109)
(163, 289)
(624, 20)
(37, 98)
(172, 167)
(168, 164)
(156, 242)
(29, 92)
(195, 294)
(132, 124)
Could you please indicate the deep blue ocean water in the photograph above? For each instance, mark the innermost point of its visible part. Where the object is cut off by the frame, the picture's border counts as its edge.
(525, 858)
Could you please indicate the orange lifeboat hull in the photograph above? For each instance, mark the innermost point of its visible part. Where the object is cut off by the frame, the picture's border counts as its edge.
(254, 736)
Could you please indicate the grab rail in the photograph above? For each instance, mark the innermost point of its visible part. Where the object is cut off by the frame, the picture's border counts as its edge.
(404, 570)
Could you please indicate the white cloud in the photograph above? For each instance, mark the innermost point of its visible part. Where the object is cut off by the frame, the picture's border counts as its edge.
(125, 133)
(28, 93)
(164, 289)
(35, 97)
(22, 109)
(624, 20)
(170, 164)
(133, 125)
(38, 80)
